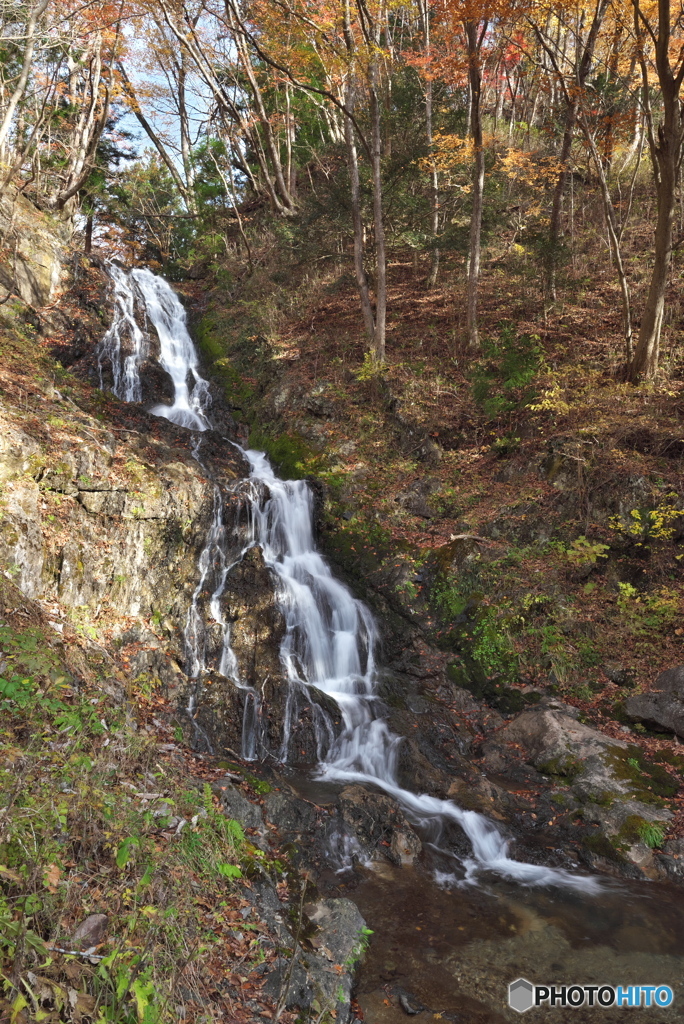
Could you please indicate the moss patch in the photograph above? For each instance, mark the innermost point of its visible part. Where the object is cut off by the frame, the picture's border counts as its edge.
(649, 782)
(493, 691)
(602, 846)
(564, 766)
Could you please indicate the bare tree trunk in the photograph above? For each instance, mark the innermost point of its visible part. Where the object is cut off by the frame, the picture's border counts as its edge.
(434, 176)
(359, 269)
(666, 156)
(152, 135)
(615, 232)
(35, 16)
(474, 35)
(271, 144)
(583, 64)
(378, 223)
(557, 205)
(185, 140)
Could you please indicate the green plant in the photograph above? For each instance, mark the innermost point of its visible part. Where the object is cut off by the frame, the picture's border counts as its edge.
(652, 834)
(582, 552)
(502, 378)
(359, 948)
(491, 645)
(644, 525)
(506, 445)
(370, 369)
(645, 613)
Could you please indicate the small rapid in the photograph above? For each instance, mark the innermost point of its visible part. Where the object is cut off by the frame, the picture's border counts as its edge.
(330, 637)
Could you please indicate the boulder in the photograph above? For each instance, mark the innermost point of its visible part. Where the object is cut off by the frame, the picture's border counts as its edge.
(321, 978)
(662, 708)
(556, 744)
(289, 813)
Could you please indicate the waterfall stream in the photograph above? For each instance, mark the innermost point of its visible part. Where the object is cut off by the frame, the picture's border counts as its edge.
(330, 637)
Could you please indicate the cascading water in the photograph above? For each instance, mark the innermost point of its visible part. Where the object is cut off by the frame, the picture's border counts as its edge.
(329, 643)
(125, 346)
(330, 637)
(177, 354)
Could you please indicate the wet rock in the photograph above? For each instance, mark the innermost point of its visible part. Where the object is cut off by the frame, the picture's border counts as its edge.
(320, 979)
(378, 824)
(339, 934)
(92, 931)
(405, 847)
(409, 1004)
(289, 813)
(476, 793)
(662, 708)
(235, 805)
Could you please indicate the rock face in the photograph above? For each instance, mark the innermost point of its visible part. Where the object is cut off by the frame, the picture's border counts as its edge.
(34, 265)
(663, 707)
(556, 744)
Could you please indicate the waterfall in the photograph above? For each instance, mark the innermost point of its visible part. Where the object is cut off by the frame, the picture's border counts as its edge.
(330, 637)
(125, 346)
(329, 643)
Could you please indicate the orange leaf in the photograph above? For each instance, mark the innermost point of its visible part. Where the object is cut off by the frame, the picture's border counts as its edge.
(52, 876)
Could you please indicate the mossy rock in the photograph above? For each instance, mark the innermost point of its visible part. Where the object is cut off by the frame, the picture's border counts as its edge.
(650, 782)
(602, 846)
(636, 829)
(492, 691)
(564, 766)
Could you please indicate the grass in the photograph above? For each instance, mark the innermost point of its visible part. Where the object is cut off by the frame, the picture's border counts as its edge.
(94, 819)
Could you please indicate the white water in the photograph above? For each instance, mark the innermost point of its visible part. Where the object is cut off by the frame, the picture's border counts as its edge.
(329, 643)
(330, 636)
(177, 353)
(124, 345)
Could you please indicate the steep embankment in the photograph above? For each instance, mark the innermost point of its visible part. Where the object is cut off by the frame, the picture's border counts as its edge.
(136, 878)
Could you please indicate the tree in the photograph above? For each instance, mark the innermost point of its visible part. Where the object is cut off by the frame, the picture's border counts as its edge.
(570, 49)
(656, 35)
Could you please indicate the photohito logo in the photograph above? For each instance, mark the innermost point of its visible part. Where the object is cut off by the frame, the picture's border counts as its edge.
(523, 995)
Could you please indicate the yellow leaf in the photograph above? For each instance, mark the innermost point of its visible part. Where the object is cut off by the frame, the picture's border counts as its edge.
(9, 874)
(18, 1005)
